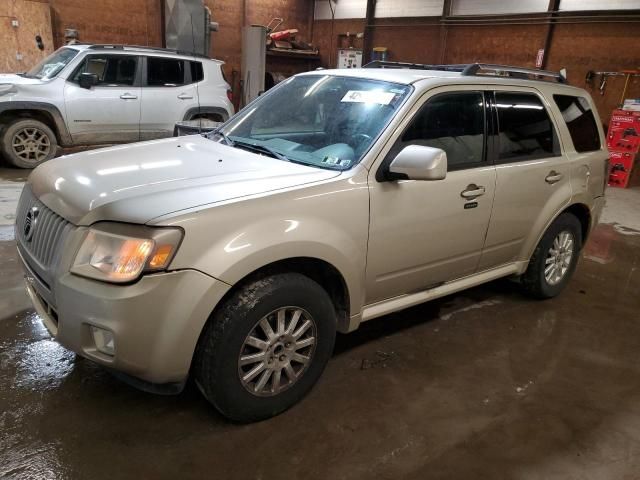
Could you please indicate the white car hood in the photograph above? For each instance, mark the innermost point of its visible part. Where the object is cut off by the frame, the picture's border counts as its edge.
(13, 79)
(138, 182)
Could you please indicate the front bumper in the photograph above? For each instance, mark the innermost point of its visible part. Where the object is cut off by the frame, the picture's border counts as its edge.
(156, 322)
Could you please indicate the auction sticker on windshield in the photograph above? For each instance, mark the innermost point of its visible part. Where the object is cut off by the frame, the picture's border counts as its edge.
(371, 96)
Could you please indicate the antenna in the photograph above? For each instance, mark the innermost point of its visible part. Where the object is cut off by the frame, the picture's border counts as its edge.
(193, 41)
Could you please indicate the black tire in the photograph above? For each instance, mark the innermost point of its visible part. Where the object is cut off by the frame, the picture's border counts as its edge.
(534, 281)
(216, 363)
(23, 157)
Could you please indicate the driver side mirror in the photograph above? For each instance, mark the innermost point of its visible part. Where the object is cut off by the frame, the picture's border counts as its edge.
(417, 162)
(88, 80)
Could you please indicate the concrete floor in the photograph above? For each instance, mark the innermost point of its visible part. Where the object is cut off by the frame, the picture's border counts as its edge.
(486, 384)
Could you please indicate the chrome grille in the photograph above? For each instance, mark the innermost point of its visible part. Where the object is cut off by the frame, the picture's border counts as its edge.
(48, 227)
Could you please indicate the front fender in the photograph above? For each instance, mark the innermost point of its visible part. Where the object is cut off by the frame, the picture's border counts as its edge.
(232, 241)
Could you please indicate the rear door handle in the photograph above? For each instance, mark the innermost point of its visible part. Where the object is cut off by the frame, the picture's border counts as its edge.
(553, 177)
(128, 96)
(473, 191)
(185, 96)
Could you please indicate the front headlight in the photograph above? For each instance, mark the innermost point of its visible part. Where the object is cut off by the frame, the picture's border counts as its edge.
(119, 253)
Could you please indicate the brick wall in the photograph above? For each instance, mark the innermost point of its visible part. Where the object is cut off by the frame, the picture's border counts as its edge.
(576, 47)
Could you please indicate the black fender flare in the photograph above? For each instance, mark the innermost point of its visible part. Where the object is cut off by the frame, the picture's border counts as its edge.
(64, 137)
(204, 109)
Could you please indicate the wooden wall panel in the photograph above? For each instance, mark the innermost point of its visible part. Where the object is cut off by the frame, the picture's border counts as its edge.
(34, 18)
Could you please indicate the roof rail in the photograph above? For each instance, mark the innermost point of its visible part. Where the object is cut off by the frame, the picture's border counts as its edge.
(144, 47)
(478, 69)
(414, 66)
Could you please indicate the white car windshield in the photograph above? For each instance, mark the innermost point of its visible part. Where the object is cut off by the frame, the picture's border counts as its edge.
(53, 64)
(321, 120)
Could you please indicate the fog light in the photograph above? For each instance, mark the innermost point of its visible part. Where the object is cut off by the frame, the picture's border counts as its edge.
(104, 340)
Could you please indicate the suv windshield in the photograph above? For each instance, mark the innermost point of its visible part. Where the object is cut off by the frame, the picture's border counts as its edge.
(326, 121)
(53, 64)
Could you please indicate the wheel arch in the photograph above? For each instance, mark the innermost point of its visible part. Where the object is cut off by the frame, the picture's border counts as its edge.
(318, 270)
(44, 112)
(577, 209)
(205, 111)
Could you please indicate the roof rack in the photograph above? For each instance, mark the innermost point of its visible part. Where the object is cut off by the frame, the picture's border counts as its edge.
(479, 69)
(144, 47)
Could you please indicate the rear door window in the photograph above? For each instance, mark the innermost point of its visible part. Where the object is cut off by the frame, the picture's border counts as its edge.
(525, 130)
(453, 122)
(581, 122)
(165, 72)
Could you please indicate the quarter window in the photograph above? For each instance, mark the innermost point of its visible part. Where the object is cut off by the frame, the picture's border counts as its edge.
(525, 129)
(111, 70)
(580, 121)
(453, 122)
(165, 72)
(197, 75)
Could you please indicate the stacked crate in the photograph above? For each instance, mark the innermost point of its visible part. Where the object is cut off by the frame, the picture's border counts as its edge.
(623, 140)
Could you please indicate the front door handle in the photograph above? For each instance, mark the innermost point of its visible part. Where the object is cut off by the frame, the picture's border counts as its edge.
(553, 177)
(473, 191)
(185, 96)
(128, 96)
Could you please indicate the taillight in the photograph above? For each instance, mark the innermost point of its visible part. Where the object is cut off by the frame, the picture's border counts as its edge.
(606, 174)
(230, 95)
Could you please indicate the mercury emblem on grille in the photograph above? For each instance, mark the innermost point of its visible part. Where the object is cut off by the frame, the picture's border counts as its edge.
(30, 223)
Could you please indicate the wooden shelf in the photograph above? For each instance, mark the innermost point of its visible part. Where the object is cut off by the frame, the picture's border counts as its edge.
(293, 54)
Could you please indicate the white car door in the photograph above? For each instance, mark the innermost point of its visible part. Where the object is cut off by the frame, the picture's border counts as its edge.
(168, 93)
(108, 112)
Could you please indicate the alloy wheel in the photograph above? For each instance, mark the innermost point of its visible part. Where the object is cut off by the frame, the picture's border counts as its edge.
(31, 144)
(559, 258)
(277, 351)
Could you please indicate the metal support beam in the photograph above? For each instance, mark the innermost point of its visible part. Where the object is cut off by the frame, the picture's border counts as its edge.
(554, 6)
(444, 30)
(368, 31)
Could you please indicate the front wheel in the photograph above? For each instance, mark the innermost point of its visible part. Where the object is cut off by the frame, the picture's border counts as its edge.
(27, 143)
(266, 347)
(555, 258)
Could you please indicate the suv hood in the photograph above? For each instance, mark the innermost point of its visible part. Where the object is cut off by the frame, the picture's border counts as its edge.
(138, 182)
(9, 79)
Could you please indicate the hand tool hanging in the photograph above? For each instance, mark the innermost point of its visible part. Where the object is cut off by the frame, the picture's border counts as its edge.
(604, 76)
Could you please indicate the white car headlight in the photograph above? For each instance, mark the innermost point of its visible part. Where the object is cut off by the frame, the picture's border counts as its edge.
(119, 253)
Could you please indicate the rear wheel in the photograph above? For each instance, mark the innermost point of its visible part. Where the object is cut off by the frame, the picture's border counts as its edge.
(266, 347)
(27, 143)
(555, 258)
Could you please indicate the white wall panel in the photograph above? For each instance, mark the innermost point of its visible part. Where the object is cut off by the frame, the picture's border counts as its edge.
(343, 9)
(492, 7)
(409, 8)
(599, 4)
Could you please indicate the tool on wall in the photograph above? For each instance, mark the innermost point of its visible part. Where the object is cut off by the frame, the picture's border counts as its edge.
(604, 76)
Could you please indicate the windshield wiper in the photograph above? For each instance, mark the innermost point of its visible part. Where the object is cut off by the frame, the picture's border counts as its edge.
(227, 140)
(261, 149)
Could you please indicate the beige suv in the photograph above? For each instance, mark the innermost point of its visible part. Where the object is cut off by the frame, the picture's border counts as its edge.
(335, 198)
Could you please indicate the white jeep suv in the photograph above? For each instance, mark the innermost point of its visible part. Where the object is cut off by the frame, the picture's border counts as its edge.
(337, 197)
(105, 94)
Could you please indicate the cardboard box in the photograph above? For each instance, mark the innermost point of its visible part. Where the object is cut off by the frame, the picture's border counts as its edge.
(621, 165)
(624, 131)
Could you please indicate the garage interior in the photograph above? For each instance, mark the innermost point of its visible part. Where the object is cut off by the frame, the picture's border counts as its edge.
(484, 383)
